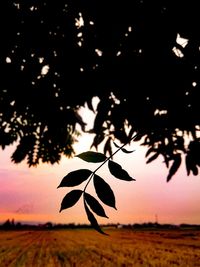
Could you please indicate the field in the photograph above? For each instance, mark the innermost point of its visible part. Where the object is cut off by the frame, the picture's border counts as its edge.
(59, 248)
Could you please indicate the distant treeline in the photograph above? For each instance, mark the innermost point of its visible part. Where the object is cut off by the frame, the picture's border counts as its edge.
(12, 225)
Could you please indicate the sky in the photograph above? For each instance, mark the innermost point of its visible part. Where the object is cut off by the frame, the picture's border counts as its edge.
(31, 194)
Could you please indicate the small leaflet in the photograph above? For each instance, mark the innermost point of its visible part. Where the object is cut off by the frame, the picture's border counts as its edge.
(104, 191)
(70, 199)
(75, 178)
(117, 171)
(153, 157)
(91, 156)
(94, 205)
(123, 149)
(93, 220)
(176, 164)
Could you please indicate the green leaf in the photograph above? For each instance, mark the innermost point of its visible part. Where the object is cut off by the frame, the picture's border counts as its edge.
(70, 199)
(94, 205)
(104, 192)
(91, 156)
(123, 149)
(75, 178)
(93, 220)
(117, 171)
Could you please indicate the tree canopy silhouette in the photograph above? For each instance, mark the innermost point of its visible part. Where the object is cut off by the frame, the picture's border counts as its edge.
(141, 58)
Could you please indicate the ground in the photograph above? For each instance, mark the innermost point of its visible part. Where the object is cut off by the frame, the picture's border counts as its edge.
(86, 247)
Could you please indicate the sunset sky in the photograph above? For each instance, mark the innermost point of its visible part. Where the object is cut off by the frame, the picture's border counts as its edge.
(31, 194)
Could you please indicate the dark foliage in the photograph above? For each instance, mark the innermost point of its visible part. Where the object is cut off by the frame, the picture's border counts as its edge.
(56, 55)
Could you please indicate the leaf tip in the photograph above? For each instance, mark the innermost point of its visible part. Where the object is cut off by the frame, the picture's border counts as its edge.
(168, 178)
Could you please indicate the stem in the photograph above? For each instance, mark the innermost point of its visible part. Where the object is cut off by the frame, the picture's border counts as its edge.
(88, 182)
(108, 158)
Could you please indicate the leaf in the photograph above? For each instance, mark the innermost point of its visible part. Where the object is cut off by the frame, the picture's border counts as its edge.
(117, 171)
(75, 178)
(123, 149)
(176, 164)
(191, 164)
(91, 156)
(102, 109)
(138, 137)
(104, 192)
(89, 104)
(97, 140)
(166, 160)
(127, 151)
(116, 145)
(70, 199)
(195, 170)
(149, 151)
(94, 205)
(153, 157)
(93, 220)
(107, 147)
(188, 163)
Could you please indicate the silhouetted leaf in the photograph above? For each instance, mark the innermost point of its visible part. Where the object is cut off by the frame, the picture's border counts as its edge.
(123, 149)
(107, 147)
(127, 151)
(94, 205)
(176, 164)
(117, 171)
(89, 104)
(188, 163)
(195, 170)
(70, 199)
(149, 151)
(75, 178)
(138, 137)
(166, 161)
(97, 140)
(104, 192)
(91, 156)
(153, 157)
(116, 145)
(102, 114)
(121, 135)
(93, 220)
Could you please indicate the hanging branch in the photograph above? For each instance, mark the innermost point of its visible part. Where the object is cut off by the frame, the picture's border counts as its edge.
(102, 188)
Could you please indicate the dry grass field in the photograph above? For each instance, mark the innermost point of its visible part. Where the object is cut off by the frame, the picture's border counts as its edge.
(56, 248)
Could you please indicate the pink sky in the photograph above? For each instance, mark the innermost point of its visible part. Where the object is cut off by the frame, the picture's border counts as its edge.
(31, 194)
